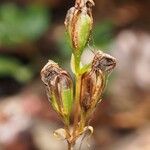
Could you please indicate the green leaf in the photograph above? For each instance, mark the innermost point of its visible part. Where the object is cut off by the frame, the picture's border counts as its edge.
(103, 34)
(14, 68)
(22, 25)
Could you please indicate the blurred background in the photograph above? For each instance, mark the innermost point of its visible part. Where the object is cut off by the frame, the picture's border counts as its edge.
(32, 31)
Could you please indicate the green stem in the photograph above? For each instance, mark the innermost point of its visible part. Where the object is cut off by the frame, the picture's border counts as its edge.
(77, 65)
(77, 104)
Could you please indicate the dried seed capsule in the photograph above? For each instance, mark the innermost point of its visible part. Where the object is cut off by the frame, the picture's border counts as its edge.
(59, 88)
(94, 81)
(92, 85)
(78, 24)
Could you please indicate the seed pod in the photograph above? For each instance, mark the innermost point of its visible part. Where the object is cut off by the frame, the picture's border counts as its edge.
(94, 80)
(92, 85)
(78, 24)
(59, 88)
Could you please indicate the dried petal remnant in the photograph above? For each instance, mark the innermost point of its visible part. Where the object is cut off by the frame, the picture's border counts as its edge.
(49, 72)
(103, 62)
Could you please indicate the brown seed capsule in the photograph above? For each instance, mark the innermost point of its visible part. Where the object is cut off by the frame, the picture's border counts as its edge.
(78, 24)
(94, 81)
(59, 88)
(92, 86)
